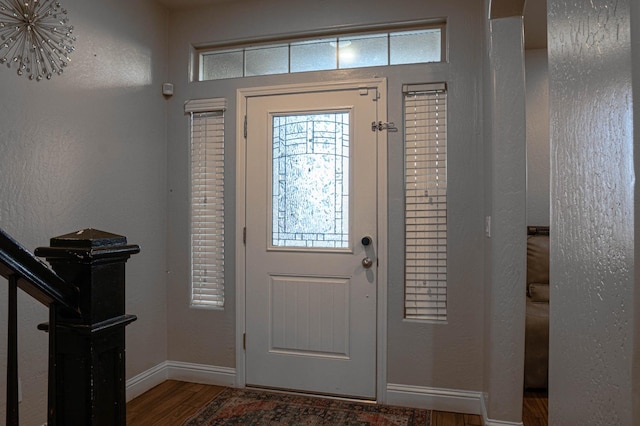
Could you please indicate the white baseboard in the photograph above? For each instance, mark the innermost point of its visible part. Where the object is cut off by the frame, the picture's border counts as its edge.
(453, 400)
(491, 422)
(201, 373)
(183, 371)
(137, 385)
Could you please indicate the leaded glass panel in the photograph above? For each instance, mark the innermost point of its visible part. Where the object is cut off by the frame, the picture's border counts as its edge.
(310, 180)
(266, 60)
(226, 64)
(314, 55)
(363, 51)
(410, 47)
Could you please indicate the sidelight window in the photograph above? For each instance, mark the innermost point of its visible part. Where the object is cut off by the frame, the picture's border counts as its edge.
(207, 202)
(425, 152)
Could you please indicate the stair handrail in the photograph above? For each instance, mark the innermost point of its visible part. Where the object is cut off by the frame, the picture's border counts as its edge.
(34, 276)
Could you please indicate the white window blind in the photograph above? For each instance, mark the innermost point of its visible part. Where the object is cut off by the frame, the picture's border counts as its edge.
(207, 202)
(425, 115)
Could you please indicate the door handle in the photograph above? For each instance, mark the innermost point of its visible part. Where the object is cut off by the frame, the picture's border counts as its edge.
(367, 262)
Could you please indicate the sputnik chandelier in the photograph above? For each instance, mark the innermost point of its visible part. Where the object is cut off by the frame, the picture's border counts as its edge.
(35, 37)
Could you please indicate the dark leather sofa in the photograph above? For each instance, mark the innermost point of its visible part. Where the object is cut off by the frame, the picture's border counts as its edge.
(536, 346)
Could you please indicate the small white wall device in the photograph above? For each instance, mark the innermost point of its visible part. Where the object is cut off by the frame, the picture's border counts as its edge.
(167, 89)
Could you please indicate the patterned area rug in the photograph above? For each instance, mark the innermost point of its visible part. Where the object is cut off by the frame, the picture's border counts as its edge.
(258, 408)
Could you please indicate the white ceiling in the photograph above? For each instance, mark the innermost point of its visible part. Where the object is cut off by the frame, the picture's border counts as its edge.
(535, 18)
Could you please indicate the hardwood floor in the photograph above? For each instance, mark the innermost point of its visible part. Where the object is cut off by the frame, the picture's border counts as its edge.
(169, 404)
(441, 418)
(173, 402)
(535, 408)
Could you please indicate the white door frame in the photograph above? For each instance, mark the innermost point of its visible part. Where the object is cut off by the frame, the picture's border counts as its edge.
(380, 84)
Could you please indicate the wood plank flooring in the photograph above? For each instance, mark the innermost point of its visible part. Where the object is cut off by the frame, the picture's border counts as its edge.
(169, 404)
(535, 408)
(172, 402)
(441, 418)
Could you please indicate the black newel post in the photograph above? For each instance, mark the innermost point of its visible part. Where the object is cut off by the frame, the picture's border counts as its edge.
(87, 352)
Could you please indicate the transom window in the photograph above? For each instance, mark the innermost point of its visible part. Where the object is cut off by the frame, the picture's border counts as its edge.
(407, 46)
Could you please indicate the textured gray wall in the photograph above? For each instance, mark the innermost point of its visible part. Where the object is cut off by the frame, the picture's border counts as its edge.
(88, 149)
(592, 221)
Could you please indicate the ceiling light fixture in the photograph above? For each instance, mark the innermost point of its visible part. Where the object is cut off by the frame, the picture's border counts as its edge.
(35, 37)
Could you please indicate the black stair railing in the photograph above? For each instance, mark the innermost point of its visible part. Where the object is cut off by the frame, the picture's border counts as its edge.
(84, 290)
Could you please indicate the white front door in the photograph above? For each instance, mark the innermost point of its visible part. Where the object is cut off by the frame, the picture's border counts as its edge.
(311, 262)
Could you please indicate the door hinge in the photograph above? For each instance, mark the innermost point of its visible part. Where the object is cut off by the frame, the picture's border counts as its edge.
(380, 126)
(244, 235)
(244, 341)
(245, 126)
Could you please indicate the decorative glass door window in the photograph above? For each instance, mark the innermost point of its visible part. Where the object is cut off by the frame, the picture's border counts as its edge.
(310, 180)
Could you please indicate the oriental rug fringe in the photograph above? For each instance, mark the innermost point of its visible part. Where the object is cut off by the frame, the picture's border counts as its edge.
(259, 408)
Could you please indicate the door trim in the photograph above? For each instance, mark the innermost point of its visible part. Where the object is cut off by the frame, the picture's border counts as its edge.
(379, 84)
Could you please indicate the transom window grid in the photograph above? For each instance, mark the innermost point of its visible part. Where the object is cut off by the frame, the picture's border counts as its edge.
(425, 113)
(416, 45)
(310, 180)
(207, 209)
